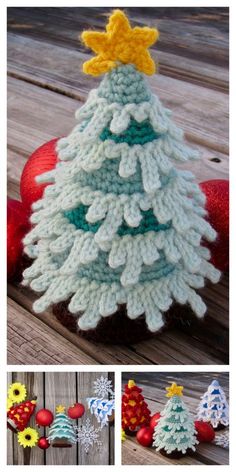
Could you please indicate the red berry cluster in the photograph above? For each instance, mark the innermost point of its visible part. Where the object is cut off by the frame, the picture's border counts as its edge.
(135, 411)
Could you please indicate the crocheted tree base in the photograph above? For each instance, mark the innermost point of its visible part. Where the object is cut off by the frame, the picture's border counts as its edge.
(12, 426)
(118, 328)
(128, 432)
(175, 454)
(220, 427)
(61, 443)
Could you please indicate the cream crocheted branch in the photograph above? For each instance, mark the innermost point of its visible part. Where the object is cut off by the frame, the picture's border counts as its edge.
(119, 223)
(175, 431)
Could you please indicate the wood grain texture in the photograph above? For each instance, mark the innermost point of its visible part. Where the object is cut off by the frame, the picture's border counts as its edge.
(184, 31)
(45, 88)
(52, 389)
(153, 385)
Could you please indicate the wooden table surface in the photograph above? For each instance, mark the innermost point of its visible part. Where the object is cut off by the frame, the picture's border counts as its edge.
(46, 86)
(52, 389)
(153, 385)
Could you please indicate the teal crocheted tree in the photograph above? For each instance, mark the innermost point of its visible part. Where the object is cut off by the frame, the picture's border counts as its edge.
(175, 431)
(120, 224)
(62, 432)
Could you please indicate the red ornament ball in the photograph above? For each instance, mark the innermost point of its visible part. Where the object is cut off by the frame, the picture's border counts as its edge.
(44, 417)
(145, 436)
(217, 206)
(205, 432)
(17, 227)
(42, 160)
(154, 420)
(43, 443)
(76, 411)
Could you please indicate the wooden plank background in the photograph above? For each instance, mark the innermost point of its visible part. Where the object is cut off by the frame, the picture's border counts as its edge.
(153, 385)
(52, 389)
(46, 86)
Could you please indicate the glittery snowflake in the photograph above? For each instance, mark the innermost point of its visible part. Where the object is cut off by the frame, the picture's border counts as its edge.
(103, 387)
(88, 435)
(222, 440)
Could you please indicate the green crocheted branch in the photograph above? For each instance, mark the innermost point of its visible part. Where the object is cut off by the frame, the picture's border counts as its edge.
(119, 222)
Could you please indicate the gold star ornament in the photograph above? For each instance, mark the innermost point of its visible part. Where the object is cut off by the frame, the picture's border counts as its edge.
(121, 44)
(174, 389)
(60, 409)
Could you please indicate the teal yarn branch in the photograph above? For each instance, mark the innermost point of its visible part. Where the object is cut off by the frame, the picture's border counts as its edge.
(77, 216)
(137, 133)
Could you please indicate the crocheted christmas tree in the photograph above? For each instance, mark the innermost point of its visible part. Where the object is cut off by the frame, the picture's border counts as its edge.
(18, 416)
(120, 224)
(213, 407)
(102, 408)
(62, 432)
(175, 431)
(135, 412)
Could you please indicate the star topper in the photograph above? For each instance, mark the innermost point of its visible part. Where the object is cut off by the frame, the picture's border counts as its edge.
(60, 409)
(121, 44)
(174, 389)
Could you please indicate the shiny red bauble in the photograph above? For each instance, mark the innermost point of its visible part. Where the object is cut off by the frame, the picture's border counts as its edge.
(17, 227)
(205, 432)
(44, 417)
(42, 160)
(76, 411)
(154, 420)
(43, 443)
(145, 436)
(217, 206)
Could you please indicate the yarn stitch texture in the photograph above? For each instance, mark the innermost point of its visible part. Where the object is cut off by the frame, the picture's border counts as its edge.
(119, 222)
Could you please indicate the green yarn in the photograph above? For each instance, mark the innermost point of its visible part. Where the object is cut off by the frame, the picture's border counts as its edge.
(100, 271)
(124, 84)
(136, 133)
(107, 179)
(77, 216)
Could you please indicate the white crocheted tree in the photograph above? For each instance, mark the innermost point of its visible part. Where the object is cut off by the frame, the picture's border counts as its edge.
(213, 407)
(62, 432)
(175, 430)
(120, 224)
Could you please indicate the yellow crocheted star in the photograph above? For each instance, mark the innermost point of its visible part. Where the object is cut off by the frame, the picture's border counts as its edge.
(121, 44)
(60, 409)
(174, 389)
(123, 435)
(131, 383)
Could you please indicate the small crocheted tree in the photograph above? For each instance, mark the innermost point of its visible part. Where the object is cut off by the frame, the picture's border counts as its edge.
(18, 416)
(213, 407)
(135, 412)
(120, 225)
(175, 431)
(62, 432)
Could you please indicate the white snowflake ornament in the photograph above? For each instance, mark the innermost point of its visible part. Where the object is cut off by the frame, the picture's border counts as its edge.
(88, 435)
(222, 440)
(103, 387)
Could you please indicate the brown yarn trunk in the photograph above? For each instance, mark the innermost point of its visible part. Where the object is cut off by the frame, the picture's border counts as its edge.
(219, 427)
(118, 328)
(61, 443)
(175, 454)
